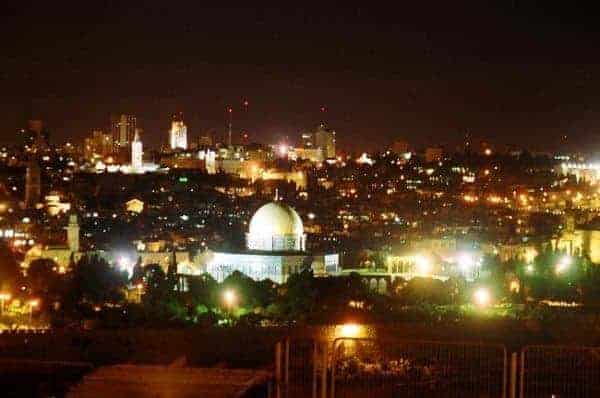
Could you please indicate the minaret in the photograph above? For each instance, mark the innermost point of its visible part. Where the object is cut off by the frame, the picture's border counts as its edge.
(32, 184)
(73, 233)
(136, 153)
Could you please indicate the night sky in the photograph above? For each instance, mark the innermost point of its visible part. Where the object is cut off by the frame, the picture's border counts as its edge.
(510, 73)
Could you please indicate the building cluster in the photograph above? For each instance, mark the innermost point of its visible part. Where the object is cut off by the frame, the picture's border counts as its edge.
(209, 205)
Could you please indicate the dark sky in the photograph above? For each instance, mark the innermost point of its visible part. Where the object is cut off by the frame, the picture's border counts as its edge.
(516, 72)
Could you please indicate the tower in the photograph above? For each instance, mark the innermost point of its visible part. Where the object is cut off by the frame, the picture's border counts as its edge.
(325, 139)
(136, 153)
(33, 184)
(123, 129)
(178, 133)
(73, 233)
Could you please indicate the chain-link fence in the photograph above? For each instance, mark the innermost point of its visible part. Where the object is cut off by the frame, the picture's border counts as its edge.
(560, 372)
(379, 368)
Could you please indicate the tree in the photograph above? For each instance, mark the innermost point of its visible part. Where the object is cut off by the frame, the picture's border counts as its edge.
(43, 278)
(10, 273)
(94, 282)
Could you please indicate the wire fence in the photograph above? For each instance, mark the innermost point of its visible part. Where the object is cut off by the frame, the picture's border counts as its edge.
(377, 368)
(302, 358)
(560, 371)
(361, 367)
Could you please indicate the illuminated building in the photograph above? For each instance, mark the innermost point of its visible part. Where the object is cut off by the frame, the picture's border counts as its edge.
(136, 153)
(54, 204)
(308, 140)
(100, 144)
(325, 139)
(433, 154)
(276, 227)
(134, 205)
(276, 246)
(123, 129)
(60, 254)
(315, 155)
(209, 158)
(178, 134)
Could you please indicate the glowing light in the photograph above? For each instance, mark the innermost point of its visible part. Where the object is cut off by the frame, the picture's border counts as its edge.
(229, 298)
(487, 152)
(283, 149)
(350, 330)
(423, 265)
(530, 269)
(563, 265)
(465, 262)
(482, 297)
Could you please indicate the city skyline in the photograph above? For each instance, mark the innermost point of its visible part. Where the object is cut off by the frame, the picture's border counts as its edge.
(489, 70)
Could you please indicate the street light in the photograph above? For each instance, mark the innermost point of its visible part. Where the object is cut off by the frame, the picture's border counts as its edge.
(482, 297)
(4, 297)
(423, 264)
(563, 265)
(230, 299)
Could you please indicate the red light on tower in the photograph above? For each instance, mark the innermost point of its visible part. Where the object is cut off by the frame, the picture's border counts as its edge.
(246, 103)
(323, 108)
(229, 109)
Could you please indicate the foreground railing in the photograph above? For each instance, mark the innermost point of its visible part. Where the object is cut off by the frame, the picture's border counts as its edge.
(357, 367)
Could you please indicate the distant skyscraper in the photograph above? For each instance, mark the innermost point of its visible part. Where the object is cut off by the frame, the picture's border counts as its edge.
(123, 129)
(33, 184)
(136, 153)
(325, 139)
(308, 140)
(178, 133)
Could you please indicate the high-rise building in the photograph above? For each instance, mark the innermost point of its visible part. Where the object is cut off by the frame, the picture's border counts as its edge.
(123, 129)
(325, 139)
(99, 144)
(178, 133)
(308, 140)
(33, 184)
(137, 153)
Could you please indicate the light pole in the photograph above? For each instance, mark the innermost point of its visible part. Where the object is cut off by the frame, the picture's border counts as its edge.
(3, 297)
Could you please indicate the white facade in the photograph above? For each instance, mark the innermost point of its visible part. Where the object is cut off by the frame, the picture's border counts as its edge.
(178, 135)
(137, 153)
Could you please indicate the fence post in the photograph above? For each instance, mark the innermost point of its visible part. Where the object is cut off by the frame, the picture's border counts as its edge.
(522, 378)
(324, 371)
(513, 375)
(287, 363)
(278, 370)
(315, 360)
